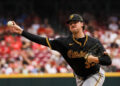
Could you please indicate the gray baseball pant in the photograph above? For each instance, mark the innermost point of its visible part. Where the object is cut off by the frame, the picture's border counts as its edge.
(94, 80)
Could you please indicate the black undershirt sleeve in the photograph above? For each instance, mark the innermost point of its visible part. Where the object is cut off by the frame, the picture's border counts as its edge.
(53, 44)
(35, 38)
(104, 59)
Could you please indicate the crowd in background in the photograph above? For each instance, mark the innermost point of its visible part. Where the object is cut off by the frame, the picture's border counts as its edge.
(20, 55)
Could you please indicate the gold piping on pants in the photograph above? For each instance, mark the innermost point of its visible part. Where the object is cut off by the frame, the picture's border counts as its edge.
(98, 79)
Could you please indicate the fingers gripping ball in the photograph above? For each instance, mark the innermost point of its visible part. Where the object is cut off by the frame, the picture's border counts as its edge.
(10, 23)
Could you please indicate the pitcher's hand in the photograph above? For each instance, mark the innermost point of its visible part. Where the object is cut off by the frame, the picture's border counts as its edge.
(92, 59)
(15, 28)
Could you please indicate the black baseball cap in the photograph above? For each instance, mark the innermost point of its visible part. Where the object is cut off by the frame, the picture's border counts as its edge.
(75, 17)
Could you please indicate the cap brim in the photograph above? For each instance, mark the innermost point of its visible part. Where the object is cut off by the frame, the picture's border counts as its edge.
(71, 21)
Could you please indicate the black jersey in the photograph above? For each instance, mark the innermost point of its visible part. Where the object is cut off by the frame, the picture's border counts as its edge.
(73, 51)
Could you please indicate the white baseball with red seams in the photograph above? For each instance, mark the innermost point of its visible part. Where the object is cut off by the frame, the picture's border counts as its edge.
(10, 23)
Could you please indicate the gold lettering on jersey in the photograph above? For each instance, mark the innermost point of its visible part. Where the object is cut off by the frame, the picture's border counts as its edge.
(75, 54)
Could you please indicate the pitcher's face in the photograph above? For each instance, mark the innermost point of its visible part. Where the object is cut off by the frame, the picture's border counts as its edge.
(75, 26)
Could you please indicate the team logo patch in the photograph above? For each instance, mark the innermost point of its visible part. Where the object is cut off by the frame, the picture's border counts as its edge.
(71, 16)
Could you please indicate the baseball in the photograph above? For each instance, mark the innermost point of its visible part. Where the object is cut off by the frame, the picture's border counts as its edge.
(10, 23)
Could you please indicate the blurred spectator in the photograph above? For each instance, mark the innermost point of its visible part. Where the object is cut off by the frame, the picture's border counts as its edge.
(41, 31)
(113, 23)
(35, 25)
(46, 23)
(62, 68)
(51, 67)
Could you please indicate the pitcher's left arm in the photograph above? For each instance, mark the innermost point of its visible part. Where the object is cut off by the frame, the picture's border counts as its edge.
(98, 55)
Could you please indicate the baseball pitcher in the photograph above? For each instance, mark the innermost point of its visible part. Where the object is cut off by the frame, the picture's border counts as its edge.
(83, 53)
